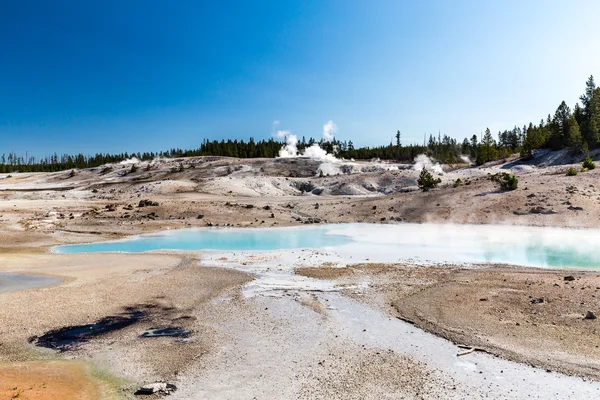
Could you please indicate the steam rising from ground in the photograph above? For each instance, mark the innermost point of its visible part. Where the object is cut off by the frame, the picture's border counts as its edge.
(129, 161)
(290, 149)
(329, 131)
(466, 159)
(422, 161)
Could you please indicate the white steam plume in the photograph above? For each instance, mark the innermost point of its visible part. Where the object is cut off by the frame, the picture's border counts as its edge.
(329, 131)
(290, 148)
(317, 153)
(422, 161)
(129, 161)
(466, 159)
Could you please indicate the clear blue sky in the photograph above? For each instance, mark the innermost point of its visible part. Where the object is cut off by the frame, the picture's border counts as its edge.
(88, 76)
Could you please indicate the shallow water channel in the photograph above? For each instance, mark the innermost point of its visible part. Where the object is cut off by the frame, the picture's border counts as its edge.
(439, 243)
(10, 282)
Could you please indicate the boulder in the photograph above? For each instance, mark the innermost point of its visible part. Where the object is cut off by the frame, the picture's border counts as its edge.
(147, 203)
(590, 315)
(157, 387)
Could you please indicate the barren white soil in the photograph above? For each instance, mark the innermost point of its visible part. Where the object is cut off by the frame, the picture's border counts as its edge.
(300, 323)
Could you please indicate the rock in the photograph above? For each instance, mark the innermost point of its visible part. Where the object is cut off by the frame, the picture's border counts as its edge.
(157, 387)
(249, 206)
(569, 278)
(541, 210)
(316, 206)
(272, 215)
(574, 208)
(200, 216)
(537, 300)
(374, 207)
(531, 195)
(172, 332)
(209, 224)
(147, 203)
(590, 315)
(267, 208)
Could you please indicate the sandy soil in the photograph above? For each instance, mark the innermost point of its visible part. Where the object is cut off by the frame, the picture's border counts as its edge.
(41, 210)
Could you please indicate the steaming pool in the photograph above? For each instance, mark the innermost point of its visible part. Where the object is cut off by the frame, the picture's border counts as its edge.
(417, 243)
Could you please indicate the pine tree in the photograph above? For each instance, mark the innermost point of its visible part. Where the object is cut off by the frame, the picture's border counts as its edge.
(487, 150)
(574, 138)
(591, 113)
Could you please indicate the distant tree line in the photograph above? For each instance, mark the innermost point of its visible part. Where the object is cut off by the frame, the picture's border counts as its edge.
(577, 130)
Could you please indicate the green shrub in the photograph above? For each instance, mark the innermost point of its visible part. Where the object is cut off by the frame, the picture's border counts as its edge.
(426, 181)
(457, 183)
(588, 163)
(133, 169)
(571, 171)
(505, 180)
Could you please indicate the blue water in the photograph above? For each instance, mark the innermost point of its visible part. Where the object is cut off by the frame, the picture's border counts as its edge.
(217, 239)
(517, 245)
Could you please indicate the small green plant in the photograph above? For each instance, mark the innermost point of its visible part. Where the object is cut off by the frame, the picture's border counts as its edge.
(426, 181)
(457, 183)
(505, 180)
(133, 169)
(571, 171)
(321, 175)
(588, 163)
(181, 167)
(72, 173)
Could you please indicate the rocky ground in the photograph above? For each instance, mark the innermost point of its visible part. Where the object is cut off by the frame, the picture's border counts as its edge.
(496, 309)
(545, 318)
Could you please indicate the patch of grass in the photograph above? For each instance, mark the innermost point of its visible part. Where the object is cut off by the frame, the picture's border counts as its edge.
(571, 171)
(505, 180)
(588, 163)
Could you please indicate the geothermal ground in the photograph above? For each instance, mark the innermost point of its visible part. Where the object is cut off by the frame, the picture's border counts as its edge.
(359, 330)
